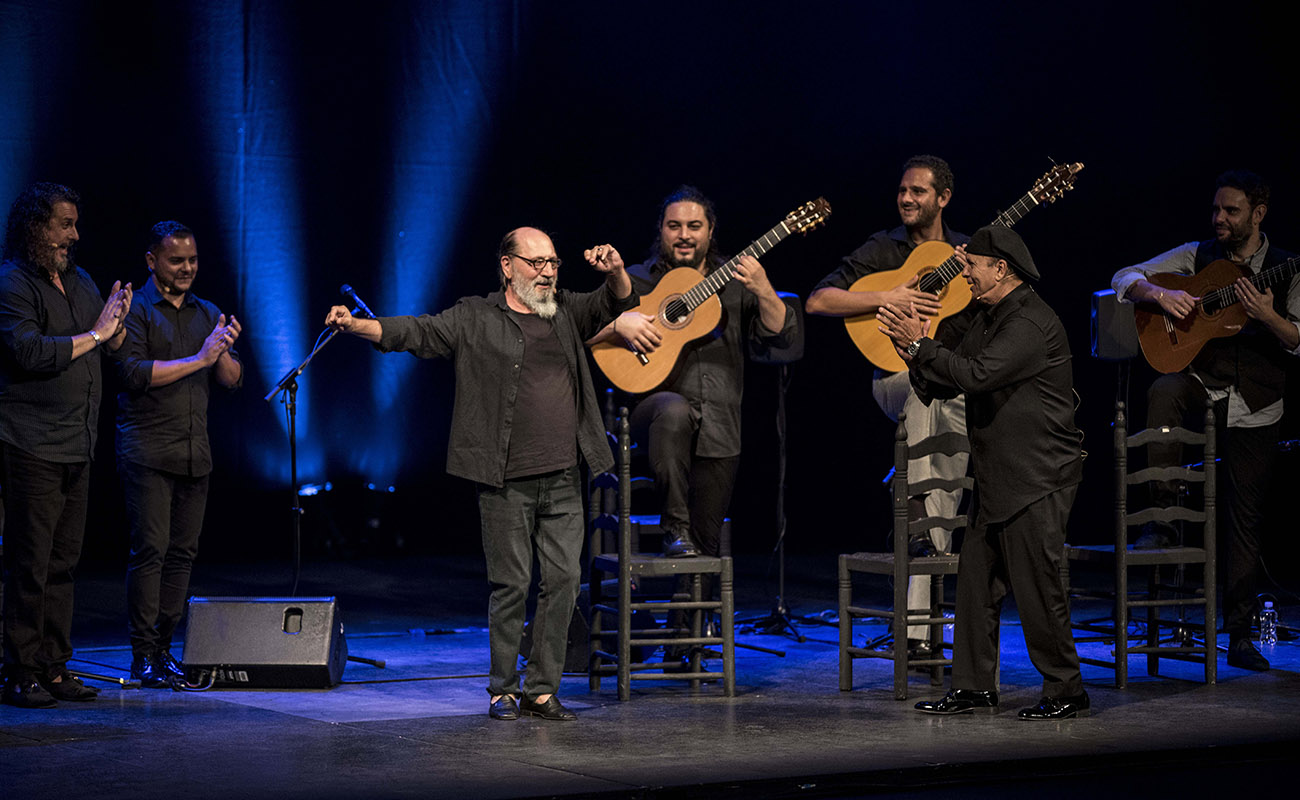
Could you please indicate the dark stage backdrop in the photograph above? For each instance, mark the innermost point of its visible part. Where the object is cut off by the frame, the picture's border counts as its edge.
(390, 144)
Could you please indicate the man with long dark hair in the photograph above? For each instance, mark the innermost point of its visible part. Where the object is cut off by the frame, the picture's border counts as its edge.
(691, 423)
(53, 323)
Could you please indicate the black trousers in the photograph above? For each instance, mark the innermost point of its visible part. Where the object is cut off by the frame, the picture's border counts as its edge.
(45, 523)
(694, 492)
(540, 517)
(1022, 555)
(1249, 460)
(165, 512)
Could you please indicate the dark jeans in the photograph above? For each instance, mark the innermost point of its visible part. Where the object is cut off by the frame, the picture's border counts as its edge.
(541, 514)
(1248, 461)
(1022, 555)
(693, 492)
(165, 512)
(45, 522)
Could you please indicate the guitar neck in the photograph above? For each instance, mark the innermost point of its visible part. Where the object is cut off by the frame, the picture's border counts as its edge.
(944, 273)
(1264, 279)
(721, 276)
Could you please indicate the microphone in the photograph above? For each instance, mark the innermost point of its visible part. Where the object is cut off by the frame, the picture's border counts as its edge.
(350, 293)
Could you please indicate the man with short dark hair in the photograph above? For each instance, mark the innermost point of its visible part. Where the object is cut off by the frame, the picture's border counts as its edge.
(1014, 366)
(1244, 374)
(176, 345)
(924, 192)
(53, 324)
(525, 415)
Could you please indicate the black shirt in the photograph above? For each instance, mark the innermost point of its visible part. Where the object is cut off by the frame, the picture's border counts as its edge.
(710, 372)
(1014, 366)
(487, 347)
(887, 250)
(49, 402)
(543, 442)
(165, 427)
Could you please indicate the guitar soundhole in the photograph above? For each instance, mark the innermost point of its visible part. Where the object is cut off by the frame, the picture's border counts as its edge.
(673, 314)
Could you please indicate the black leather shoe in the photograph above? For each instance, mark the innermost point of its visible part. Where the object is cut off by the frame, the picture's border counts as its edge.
(921, 546)
(69, 687)
(919, 648)
(1156, 536)
(960, 701)
(552, 709)
(1243, 655)
(1050, 708)
(504, 707)
(681, 547)
(26, 693)
(145, 669)
(168, 665)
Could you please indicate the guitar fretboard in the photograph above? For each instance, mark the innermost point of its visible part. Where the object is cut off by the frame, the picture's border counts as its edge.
(720, 277)
(942, 275)
(1225, 296)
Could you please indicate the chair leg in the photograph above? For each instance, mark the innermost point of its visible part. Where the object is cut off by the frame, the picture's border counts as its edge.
(726, 592)
(697, 629)
(1153, 621)
(900, 635)
(846, 626)
(624, 631)
(936, 628)
(1121, 622)
(595, 640)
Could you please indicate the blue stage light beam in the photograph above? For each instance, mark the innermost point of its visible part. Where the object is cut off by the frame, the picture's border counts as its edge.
(443, 108)
(240, 63)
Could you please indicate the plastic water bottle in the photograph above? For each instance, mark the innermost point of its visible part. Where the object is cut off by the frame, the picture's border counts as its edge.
(1268, 624)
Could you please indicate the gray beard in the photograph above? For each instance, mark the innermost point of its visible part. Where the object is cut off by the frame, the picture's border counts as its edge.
(543, 306)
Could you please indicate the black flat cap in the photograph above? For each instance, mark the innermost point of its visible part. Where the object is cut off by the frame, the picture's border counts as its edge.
(997, 241)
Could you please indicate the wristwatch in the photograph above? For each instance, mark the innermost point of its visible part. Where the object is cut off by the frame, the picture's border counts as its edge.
(914, 348)
(94, 334)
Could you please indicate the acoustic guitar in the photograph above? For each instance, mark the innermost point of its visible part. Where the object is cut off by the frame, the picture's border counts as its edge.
(686, 307)
(936, 265)
(1171, 344)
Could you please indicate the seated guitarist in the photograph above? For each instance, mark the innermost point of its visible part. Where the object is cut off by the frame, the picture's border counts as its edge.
(691, 423)
(923, 193)
(1244, 374)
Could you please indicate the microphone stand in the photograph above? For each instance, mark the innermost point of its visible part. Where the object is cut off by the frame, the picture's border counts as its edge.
(289, 386)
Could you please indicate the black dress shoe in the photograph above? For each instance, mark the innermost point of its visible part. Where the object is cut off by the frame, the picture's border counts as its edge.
(1156, 536)
(552, 709)
(145, 669)
(69, 687)
(1050, 708)
(921, 546)
(164, 661)
(26, 693)
(1243, 655)
(504, 707)
(681, 547)
(960, 701)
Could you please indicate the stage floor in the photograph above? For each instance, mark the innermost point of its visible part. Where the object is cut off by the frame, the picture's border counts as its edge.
(418, 728)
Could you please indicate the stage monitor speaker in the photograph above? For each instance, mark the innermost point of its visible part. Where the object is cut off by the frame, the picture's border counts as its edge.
(266, 642)
(1114, 331)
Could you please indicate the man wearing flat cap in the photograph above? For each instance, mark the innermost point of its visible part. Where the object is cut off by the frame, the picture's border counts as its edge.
(1014, 367)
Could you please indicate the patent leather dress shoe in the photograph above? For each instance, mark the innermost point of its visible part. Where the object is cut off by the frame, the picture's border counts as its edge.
(921, 546)
(167, 663)
(552, 709)
(1052, 708)
(27, 693)
(681, 547)
(146, 670)
(70, 687)
(504, 708)
(1243, 655)
(960, 701)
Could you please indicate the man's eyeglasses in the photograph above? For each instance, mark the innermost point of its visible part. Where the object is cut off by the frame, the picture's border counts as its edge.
(539, 264)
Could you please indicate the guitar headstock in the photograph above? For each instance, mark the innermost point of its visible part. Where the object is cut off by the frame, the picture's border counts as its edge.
(1058, 180)
(808, 216)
